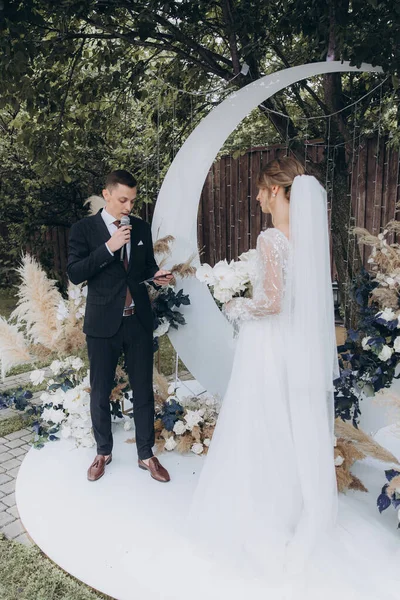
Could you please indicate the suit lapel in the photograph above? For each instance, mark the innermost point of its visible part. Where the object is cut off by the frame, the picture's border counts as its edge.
(102, 227)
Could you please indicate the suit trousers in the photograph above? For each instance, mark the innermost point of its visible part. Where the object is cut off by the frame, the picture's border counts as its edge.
(137, 345)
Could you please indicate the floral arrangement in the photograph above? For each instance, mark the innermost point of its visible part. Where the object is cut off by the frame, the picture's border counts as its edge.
(65, 407)
(228, 280)
(370, 355)
(186, 425)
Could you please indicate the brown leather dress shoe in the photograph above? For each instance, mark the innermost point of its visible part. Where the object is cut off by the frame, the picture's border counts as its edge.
(157, 471)
(97, 468)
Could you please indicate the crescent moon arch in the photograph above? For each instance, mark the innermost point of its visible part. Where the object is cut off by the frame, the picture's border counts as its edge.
(206, 343)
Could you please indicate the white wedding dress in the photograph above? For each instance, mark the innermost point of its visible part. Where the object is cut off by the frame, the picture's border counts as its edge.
(264, 510)
(262, 523)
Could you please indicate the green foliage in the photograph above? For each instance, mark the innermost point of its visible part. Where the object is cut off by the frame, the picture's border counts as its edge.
(88, 86)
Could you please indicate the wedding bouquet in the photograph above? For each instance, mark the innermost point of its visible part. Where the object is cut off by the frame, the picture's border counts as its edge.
(228, 280)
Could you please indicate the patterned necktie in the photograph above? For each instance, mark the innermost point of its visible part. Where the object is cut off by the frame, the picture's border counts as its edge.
(128, 299)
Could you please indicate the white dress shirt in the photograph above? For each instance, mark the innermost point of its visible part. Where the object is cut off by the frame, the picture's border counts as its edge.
(109, 221)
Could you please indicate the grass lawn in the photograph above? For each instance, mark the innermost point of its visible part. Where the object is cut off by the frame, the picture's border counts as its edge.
(27, 574)
(7, 302)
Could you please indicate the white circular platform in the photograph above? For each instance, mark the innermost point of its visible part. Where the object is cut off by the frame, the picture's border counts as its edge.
(121, 534)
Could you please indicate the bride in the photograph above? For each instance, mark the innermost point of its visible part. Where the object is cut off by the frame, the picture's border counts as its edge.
(265, 505)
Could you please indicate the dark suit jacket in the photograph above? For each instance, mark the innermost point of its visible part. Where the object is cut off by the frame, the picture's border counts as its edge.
(89, 260)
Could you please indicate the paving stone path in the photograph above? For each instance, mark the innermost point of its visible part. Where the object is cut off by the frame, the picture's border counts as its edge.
(13, 448)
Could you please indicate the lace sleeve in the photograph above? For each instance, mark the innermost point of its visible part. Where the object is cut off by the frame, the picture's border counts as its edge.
(267, 285)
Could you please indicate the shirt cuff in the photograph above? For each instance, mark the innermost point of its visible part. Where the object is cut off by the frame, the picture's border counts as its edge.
(110, 251)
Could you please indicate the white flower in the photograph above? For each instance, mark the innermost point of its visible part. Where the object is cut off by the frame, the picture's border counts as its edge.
(339, 460)
(365, 343)
(170, 444)
(207, 442)
(385, 353)
(390, 281)
(128, 424)
(386, 315)
(396, 345)
(226, 275)
(222, 295)
(179, 427)
(197, 448)
(57, 397)
(77, 363)
(249, 255)
(37, 377)
(76, 401)
(205, 274)
(53, 415)
(62, 311)
(193, 418)
(162, 328)
(55, 367)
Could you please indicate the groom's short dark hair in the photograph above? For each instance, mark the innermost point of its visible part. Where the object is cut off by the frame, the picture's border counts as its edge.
(120, 176)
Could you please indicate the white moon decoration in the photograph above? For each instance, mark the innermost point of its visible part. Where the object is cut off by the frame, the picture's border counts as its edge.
(206, 343)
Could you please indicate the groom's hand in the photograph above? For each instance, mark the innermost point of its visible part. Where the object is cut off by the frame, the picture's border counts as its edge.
(119, 238)
(163, 277)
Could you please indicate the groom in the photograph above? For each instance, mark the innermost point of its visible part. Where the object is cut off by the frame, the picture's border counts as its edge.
(118, 315)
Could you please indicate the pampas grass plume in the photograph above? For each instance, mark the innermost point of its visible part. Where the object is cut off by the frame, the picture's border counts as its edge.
(13, 350)
(38, 299)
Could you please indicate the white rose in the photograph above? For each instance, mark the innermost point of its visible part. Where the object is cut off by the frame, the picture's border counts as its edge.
(53, 415)
(37, 377)
(205, 274)
(162, 328)
(193, 418)
(170, 444)
(197, 448)
(207, 442)
(385, 353)
(62, 311)
(396, 345)
(386, 315)
(222, 295)
(365, 344)
(55, 367)
(339, 460)
(249, 255)
(179, 427)
(77, 363)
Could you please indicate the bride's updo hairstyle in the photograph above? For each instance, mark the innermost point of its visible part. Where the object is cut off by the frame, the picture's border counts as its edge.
(280, 171)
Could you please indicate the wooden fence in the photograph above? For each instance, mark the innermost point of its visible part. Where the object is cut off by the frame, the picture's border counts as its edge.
(230, 219)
